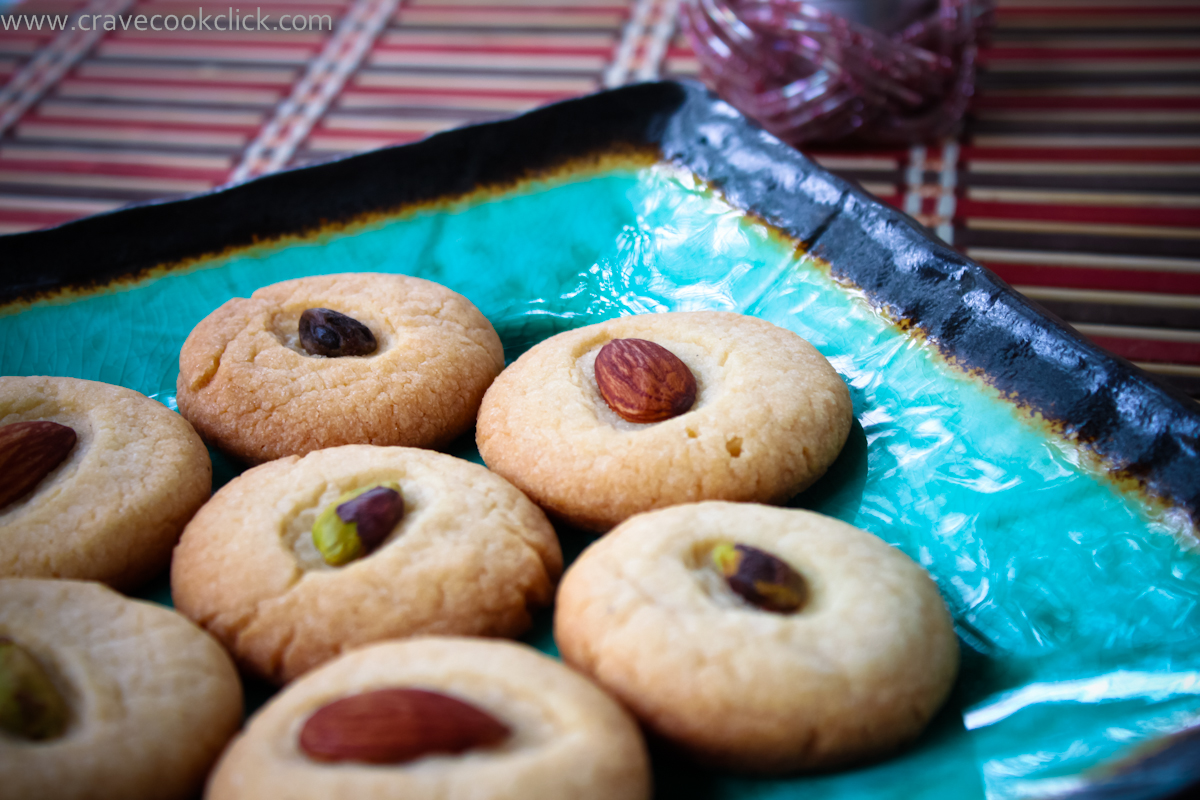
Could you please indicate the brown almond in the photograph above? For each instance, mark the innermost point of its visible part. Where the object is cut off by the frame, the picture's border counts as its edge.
(392, 726)
(642, 381)
(29, 451)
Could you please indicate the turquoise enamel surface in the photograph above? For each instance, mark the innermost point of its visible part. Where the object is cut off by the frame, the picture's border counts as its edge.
(1076, 603)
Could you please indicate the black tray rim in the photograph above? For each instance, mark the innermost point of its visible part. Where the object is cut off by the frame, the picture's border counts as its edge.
(1146, 433)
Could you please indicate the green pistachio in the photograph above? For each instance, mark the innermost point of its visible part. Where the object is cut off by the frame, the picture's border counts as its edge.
(358, 522)
(30, 706)
(760, 578)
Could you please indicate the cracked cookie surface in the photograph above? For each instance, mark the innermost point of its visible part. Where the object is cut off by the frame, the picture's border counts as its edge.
(152, 699)
(769, 418)
(471, 555)
(855, 673)
(251, 389)
(114, 508)
(568, 740)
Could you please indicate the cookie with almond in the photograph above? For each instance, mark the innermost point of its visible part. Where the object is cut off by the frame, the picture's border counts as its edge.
(96, 481)
(603, 422)
(438, 717)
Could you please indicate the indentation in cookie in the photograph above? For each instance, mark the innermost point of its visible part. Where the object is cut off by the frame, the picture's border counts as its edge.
(329, 333)
(285, 325)
(358, 522)
(760, 578)
(395, 726)
(703, 368)
(31, 705)
(737, 575)
(698, 561)
(298, 527)
(55, 414)
(643, 381)
(29, 451)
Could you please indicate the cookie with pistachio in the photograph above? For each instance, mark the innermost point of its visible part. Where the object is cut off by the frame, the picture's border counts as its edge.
(298, 559)
(107, 698)
(760, 639)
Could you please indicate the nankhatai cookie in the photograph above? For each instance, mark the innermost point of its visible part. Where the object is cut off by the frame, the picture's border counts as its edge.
(438, 717)
(298, 559)
(337, 359)
(102, 697)
(758, 638)
(98, 482)
(636, 413)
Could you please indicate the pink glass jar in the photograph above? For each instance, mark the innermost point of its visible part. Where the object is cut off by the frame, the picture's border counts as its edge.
(884, 72)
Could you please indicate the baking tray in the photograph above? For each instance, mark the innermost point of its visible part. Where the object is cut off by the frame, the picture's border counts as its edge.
(1051, 489)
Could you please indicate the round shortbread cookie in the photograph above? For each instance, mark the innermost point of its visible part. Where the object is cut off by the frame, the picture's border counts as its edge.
(856, 672)
(251, 389)
(471, 555)
(114, 508)
(568, 740)
(769, 418)
(151, 698)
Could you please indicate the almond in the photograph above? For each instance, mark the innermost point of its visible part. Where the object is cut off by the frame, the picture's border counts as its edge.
(642, 381)
(392, 726)
(29, 451)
